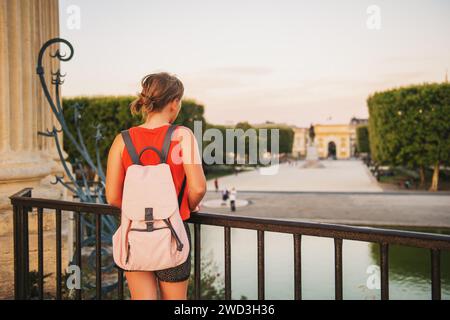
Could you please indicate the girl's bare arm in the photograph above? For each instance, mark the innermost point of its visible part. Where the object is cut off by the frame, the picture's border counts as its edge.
(114, 173)
(192, 164)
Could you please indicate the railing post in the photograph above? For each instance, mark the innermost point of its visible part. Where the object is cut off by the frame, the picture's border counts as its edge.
(120, 284)
(78, 256)
(261, 267)
(40, 227)
(58, 254)
(297, 267)
(18, 266)
(21, 254)
(227, 243)
(338, 268)
(98, 256)
(384, 266)
(25, 249)
(197, 256)
(435, 274)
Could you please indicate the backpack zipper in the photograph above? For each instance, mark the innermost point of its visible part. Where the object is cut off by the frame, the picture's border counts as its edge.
(177, 239)
(128, 253)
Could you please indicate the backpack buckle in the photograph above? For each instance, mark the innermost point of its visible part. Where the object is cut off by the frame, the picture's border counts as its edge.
(149, 219)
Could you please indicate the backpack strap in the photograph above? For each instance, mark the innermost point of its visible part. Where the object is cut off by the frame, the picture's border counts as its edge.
(180, 195)
(157, 151)
(166, 143)
(136, 158)
(130, 147)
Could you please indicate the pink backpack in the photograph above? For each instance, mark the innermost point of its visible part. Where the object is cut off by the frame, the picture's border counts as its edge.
(151, 235)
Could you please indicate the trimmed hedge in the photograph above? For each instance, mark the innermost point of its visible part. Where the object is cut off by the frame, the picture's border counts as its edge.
(114, 115)
(362, 139)
(410, 127)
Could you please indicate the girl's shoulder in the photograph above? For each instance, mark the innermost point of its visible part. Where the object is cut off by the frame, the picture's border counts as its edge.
(118, 142)
(182, 133)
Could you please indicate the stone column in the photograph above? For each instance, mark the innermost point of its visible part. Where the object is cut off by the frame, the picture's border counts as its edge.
(26, 159)
(4, 78)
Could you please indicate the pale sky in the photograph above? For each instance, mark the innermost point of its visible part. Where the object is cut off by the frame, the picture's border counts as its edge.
(297, 62)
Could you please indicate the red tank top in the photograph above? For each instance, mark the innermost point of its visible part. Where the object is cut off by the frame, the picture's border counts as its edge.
(143, 137)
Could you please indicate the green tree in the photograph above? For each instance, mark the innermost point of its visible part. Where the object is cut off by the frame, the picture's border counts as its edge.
(410, 127)
(191, 111)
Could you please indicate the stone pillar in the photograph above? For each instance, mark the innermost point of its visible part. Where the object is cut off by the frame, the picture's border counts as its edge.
(26, 159)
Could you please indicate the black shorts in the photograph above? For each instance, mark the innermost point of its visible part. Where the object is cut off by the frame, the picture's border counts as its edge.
(177, 273)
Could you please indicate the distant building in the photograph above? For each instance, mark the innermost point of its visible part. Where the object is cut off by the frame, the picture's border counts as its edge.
(358, 121)
(300, 141)
(331, 140)
(334, 140)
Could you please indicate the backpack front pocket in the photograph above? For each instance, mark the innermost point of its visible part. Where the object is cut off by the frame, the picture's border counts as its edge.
(152, 250)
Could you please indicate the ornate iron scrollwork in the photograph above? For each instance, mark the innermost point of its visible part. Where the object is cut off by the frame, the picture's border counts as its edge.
(80, 189)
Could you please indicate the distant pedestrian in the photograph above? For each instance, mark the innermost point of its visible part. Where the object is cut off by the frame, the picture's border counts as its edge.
(224, 196)
(216, 184)
(233, 199)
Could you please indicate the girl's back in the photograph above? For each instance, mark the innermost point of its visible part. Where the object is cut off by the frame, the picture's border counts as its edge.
(144, 137)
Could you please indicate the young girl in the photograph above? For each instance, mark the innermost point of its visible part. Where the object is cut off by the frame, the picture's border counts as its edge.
(159, 103)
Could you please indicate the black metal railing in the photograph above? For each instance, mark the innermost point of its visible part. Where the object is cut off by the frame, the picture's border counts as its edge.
(23, 203)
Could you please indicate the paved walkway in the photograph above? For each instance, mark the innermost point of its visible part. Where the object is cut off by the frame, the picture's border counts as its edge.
(344, 192)
(373, 209)
(342, 175)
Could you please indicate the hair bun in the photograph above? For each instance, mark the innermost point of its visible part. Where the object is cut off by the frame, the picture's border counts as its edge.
(158, 90)
(146, 100)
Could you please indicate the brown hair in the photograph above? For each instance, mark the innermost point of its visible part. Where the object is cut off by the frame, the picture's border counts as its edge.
(158, 89)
